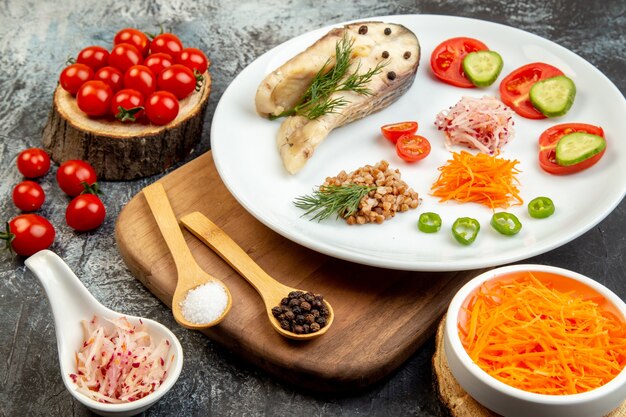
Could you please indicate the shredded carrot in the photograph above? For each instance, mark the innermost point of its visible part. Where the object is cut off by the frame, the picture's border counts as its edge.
(479, 178)
(533, 337)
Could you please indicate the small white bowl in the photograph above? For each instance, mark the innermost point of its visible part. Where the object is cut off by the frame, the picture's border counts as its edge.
(513, 402)
(71, 303)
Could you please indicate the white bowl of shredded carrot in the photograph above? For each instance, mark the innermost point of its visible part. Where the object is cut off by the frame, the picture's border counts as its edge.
(535, 340)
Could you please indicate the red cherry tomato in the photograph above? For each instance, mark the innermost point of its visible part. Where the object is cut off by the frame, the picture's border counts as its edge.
(161, 107)
(95, 57)
(123, 56)
(167, 43)
(446, 60)
(71, 175)
(28, 196)
(74, 76)
(127, 105)
(412, 148)
(33, 162)
(158, 62)
(134, 37)
(178, 80)
(515, 87)
(111, 76)
(94, 98)
(140, 78)
(194, 59)
(85, 212)
(393, 131)
(28, 234)
(547, 148)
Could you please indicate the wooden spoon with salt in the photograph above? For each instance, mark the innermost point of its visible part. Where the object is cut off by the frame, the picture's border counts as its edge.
(270, 290)
(190, 275)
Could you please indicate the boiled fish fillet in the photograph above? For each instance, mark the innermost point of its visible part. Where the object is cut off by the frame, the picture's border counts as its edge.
(374, 42)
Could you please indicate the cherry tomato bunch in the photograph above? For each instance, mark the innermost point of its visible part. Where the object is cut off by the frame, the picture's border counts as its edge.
(139, 78)
(29, 233)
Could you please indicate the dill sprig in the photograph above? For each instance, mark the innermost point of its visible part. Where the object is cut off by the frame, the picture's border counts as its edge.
(342, 200)
(316, 101)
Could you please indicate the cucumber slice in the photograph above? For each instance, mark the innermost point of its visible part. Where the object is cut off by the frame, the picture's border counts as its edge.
(553, 96)
(576, 147)
(482, 67)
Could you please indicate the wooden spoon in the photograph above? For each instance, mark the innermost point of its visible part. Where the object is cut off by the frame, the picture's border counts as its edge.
(270, 290)
(190, 275)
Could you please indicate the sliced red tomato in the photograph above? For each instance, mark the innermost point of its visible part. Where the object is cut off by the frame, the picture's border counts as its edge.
(515, 87)
(446, 60)
(547, 146)
(412, 148)
(393, 131)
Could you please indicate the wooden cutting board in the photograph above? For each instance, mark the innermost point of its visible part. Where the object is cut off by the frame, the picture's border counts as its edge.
(382, 315)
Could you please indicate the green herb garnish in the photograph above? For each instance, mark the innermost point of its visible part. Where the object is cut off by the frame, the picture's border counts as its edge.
(316, 100)
(342, 200)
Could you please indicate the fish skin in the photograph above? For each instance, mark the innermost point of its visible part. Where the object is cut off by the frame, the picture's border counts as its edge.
(298, 137)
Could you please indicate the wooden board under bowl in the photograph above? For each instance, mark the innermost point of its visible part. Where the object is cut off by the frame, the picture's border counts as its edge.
(382, 316)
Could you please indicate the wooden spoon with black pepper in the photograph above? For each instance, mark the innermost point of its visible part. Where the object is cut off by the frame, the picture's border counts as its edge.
(271, 291)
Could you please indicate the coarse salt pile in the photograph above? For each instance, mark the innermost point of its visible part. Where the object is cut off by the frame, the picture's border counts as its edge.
(205, 303)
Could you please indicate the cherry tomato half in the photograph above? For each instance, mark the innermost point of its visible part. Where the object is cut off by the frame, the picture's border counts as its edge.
(85, 212)
(178, 80)
(111, 76)
(515, 87)
(74, 76)
(140, 78)
(94, 98)
(29, 233)
(33, 162)
(134, 37)
(158, 62)
(95, 57)
(412, 148)
(71, 175)
(547, 148)
(194, 59)
(28, 196)
(446, 60)
(162, 107)
(167, 43)
(393, 131)
(123, 56)
(127, 105)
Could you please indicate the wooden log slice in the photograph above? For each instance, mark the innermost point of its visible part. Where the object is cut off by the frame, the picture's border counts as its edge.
(457, 401)
(123, 151)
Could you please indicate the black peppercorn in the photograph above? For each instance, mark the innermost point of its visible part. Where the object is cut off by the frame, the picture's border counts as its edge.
(407, 55)
(289, 315)
(281, 316)
(391, 75)
(309, 318)
(284, 301)
(309, 298)
(295, 294)
(301, 313)
(294, 302)
(324, 312)
(385, 54)
(276, 311)
(321, 321)
(363, 30)
(297, 329)
(387, 31)
(300, 319)
(315, 312)
(296, 310)
(285, 308)
(317, 304)
(305, 306)
(307, 328)
(315, 327)
(319, 297)
(284, 325)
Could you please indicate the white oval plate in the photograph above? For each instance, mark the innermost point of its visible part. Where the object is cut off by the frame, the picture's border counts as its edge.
(247, 159)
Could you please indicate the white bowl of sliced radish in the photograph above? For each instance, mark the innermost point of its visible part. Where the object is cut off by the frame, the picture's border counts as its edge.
(541, 341)
(115, 365)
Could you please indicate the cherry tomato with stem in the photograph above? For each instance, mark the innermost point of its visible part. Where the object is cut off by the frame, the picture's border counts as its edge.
(412, 148)
(85, 212)
(446, 61)
(167, 43)
(547, 148)
(140, 78)
(158, 62)
(95, 57)
(127, 105)
(74, 76)
(178, 80)
(162, 107)
(134, 37)
(112, 76)
(123, 56)
(72, 175)
(515, 87)
(27, 234)
(33, 162)
(194, 59)
(28, 196)
(393, 131)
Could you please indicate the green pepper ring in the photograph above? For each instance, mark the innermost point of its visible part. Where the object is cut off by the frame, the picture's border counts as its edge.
(506, 223)
(429, 222)
(465, 230)
(541, 207)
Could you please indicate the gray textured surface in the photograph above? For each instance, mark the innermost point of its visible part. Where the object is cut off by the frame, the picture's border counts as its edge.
(35, 39)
